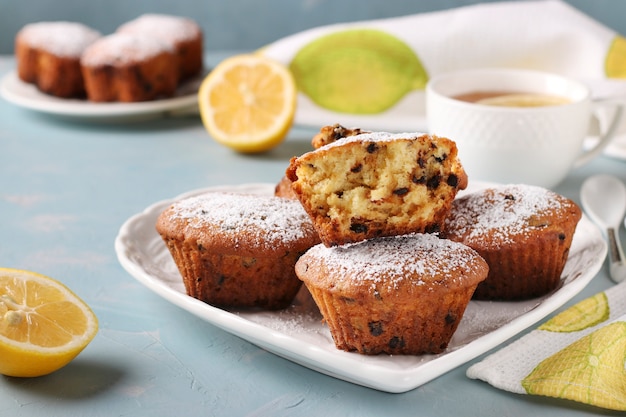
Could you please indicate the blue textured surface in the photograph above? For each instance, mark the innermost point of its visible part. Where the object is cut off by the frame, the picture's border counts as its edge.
(66, 188)
(247, 24)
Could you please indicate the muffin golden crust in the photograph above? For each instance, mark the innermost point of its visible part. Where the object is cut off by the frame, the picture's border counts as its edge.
(396, 295)
(48, 55)
(378, 184)
(129, 68)
(330, 134)
(524, 233)
(236, 250)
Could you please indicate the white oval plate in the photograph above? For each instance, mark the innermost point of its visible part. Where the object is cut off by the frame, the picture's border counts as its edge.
(28, 96)
(299, 335)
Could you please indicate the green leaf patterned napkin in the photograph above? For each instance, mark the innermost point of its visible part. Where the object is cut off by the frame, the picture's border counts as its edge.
(578, 355)
(378, 68)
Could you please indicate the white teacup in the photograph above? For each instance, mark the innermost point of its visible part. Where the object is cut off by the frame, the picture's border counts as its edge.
(536, 145)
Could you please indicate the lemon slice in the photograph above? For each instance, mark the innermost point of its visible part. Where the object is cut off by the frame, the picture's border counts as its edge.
(615, 64)
(590, 370)
(587, 313)
(43, 325)
(248, 102)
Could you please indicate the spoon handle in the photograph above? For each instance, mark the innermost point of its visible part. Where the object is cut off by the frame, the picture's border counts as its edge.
(617, 266)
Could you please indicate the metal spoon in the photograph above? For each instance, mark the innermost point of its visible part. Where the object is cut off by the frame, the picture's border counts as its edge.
(604, 200)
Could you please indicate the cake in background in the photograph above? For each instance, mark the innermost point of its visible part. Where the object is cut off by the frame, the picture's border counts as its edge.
(48, 56)
(129, 68)
(182, 34)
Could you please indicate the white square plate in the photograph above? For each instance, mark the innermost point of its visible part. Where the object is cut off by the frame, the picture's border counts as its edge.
(298, 334)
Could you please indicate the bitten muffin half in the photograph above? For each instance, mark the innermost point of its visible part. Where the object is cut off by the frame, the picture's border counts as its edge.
(378, 184)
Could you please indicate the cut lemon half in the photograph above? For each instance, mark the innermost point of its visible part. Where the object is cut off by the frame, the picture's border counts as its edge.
(248, 102)
(43, 325)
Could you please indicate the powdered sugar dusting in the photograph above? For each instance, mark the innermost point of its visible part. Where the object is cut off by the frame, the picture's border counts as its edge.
(65, 39)
(390, 260)
(374, 137)
(271, 219)
(123, 49)
(502, 212)
(171, 29)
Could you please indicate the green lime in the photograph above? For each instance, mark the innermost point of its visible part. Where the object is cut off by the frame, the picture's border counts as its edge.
(361, 71)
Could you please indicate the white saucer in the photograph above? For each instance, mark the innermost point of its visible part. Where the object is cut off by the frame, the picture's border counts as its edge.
(28, 96)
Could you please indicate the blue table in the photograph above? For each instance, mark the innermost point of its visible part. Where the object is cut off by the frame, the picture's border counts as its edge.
(67, 187)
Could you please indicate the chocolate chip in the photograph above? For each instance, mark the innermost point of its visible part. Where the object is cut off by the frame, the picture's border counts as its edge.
(371, 147)
(401, 191)
(453, 180)
(419, 180)
(561, 236)
(421, 162)
(339, 194)
(441, 158)
(509, 197)
(358, 228)
(356, 168)
(433, 182)
(376, 328)
(396, 342)
(450, 318)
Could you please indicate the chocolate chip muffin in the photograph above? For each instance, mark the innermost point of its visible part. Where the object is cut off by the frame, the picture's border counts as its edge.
(378, 184)
(524, 233)
(236, 250)
(396, 295)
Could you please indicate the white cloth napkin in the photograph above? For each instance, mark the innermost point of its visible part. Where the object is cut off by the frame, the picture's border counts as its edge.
(545, 35)
(577, 355)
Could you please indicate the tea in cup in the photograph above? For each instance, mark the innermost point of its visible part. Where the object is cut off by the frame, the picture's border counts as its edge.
(517, 126)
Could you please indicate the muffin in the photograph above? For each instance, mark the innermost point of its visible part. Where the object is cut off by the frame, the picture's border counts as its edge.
(183, 35)
(48, 56)
(378, 184)
(283, 189)
(129, 68)
(524, 233)
(397, 294)
(237, 250)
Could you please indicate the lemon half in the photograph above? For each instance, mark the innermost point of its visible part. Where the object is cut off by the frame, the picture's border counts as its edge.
(248, 102)
(43, 325)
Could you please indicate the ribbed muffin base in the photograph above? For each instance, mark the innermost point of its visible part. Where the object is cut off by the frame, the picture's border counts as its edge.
(236, 281)
(525, 271)
(423, 323)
